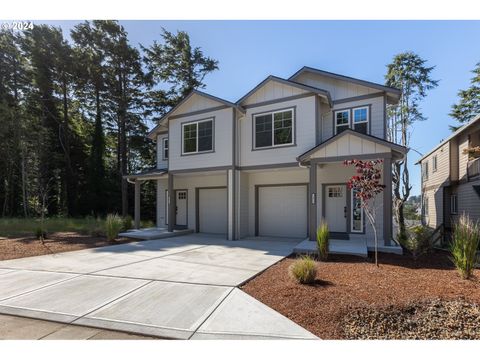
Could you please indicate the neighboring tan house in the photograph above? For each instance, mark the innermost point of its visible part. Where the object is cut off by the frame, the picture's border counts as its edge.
(451, 178)
(271, 164)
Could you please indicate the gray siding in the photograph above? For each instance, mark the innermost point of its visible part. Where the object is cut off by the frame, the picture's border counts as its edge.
(161, 163)
(468, 200)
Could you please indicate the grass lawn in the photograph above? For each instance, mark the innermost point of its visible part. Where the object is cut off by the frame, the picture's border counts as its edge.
(17, 236)
(353, 299)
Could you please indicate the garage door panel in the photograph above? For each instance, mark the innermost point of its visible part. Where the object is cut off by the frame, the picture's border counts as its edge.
(282, 211)
(212, 208)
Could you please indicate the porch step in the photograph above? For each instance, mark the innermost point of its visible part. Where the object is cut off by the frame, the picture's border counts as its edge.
(153, 234)
(342, 247)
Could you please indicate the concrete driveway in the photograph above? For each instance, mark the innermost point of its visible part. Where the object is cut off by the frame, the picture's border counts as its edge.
(183, 288)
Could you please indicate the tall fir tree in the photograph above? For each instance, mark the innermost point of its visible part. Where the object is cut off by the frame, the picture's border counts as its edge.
(468, 105)
(409, 73)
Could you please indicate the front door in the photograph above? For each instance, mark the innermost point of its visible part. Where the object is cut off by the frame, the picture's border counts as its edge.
(181, 207)
(336, 207)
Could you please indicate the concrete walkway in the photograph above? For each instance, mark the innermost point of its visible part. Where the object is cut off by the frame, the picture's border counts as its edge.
(184, 287)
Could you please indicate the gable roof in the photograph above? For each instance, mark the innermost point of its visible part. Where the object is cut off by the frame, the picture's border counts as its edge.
(391, 90)
(472, 122)
(315, 90)
(193, 92)
(398, 148)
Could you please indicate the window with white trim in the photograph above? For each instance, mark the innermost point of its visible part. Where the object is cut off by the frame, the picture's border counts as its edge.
(274, 129)
(197, 136)
(425, 171)
(453, 204)
(360, 119)
(165, 148)
(342, 121)
(434, 163)
(357, 213)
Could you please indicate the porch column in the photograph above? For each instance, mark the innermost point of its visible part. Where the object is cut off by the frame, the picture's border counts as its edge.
(231, 204)
(137, 204)
(312, 201)
(387, 201)
(171, 203)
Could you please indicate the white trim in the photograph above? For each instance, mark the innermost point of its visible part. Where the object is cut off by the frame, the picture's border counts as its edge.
(292, 110)
(353, 123)
(348, 124)
(196, 124)
(165, 139)
(352, 198)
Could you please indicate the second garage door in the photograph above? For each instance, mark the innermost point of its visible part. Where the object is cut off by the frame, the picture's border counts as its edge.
(282, 211)
(212, 211)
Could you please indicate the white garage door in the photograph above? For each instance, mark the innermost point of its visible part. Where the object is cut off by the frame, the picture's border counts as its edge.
(212, 207)
(282, 211)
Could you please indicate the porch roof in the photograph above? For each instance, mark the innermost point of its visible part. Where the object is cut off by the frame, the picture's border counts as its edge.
(150, 174)
(352, 144)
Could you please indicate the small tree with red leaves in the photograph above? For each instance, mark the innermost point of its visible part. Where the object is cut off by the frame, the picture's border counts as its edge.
(366, 185)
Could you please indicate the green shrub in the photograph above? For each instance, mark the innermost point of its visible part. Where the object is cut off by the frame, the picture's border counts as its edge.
(417, 240)
(465, 240)
(113, 225)
(303, 270)
(127, 223)
(322, 241)
(40, 234)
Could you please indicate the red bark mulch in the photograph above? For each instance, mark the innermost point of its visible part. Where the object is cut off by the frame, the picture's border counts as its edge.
(345, 285)
(14, 248)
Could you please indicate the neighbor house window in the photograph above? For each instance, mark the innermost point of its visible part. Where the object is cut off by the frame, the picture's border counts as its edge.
(425, 206)
(342, 121)
(425, 171)
(274, 129)
(453, 204)
(165, 149)
(434, 163)
(357, 213)
(360, 119)
(197, 136)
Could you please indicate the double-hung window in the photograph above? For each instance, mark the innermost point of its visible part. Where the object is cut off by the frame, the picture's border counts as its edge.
(425, 171)
(197, 136)
(165, 148)
(342, 121)
(360, 120)
(274, 129)
(453, 204)
(434, 163)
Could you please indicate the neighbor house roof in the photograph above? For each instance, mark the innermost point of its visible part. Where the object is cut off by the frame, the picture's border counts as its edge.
(388, 89)
(398, 148)
(312, 89)
(152, 133)
(472, 122)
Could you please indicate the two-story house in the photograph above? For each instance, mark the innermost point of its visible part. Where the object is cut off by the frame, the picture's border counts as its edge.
(271, 164)
(451, 178)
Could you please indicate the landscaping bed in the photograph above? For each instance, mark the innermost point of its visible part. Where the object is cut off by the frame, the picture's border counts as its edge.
(353, 299)
(18, 247)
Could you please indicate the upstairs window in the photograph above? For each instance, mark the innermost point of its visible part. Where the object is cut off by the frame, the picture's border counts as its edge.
(342, 121)
(165, 148)
(425, 171)
(360, 120)
(274, 129)
(197, 136)
(434, 163)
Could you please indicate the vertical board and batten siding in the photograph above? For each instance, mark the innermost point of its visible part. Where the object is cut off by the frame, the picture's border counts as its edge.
(162, 186)
(336, 173)
(339, 89)
(377, 120)
(290, 176)
(468, 200)
(161, 163)
(272, 90)
(304, 126)
(350, 145)
(222, 142)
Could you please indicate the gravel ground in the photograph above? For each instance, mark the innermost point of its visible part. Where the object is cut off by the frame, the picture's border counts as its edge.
(57, 242)
(434, 320)
(346, 285)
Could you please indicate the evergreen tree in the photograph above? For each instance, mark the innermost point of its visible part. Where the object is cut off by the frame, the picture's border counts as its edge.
(408, 73)
(468, 105)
